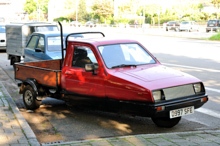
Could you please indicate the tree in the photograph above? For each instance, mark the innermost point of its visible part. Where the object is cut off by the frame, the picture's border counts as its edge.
(82, 12)
(70, 9)
(31, 7)
(103, 9)
(217, 5)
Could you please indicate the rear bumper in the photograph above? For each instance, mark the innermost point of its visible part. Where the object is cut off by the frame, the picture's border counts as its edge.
(175, 104)
(212, 29)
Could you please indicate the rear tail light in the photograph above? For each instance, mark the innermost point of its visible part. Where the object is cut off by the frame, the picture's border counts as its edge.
(215, 24)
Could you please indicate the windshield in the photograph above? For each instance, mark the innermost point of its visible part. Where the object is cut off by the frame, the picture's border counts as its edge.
(47, 28)
(2, 29)
(54, 42)
(122, 55)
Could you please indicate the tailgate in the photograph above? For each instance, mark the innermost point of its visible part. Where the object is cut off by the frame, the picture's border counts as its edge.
(46, 73)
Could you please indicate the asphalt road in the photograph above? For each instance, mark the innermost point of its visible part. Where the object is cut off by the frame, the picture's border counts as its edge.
(55, 121)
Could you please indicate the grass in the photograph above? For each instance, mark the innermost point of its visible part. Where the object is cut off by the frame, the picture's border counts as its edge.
(215, 37)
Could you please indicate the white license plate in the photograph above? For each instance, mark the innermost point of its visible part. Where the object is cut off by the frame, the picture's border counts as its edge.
(181, 112)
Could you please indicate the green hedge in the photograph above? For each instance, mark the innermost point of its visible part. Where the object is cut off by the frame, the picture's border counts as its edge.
(215, 37)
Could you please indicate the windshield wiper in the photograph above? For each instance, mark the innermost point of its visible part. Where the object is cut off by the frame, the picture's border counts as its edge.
(124, 65)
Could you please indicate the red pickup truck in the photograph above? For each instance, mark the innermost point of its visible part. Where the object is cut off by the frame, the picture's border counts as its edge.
(119, 72)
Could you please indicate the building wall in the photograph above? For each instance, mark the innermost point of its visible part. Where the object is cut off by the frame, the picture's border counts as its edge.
(12, 10)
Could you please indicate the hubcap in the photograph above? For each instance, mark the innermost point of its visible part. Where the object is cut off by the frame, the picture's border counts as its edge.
(28, 97)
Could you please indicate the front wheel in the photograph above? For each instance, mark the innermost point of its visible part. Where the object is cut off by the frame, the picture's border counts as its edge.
(166, 122)
(29, 98)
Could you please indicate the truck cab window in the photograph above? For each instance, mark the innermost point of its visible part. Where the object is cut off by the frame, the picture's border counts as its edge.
(32, 42)
(41, 44)
(83, 56)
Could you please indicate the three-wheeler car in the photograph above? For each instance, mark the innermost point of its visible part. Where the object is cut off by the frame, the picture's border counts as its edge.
(117, 71)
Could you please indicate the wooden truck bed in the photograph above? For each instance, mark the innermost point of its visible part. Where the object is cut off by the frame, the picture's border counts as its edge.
(46, 73)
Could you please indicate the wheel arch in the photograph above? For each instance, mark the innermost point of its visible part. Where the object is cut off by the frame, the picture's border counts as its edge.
(32, 82)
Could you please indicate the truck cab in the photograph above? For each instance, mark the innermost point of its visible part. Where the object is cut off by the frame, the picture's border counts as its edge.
(45, 46)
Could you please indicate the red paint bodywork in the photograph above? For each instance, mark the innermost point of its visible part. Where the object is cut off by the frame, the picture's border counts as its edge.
(128, 83)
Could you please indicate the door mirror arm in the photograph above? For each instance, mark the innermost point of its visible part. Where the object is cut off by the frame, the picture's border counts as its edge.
(90, 68)
(38, 50)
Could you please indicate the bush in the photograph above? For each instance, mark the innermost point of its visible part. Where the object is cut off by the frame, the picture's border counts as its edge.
(60, 19)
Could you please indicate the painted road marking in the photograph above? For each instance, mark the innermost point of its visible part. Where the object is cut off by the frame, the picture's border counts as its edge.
(212, 70)
(208, 112)
(211, 89)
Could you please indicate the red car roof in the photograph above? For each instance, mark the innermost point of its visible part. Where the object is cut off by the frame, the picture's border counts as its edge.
(102, 41)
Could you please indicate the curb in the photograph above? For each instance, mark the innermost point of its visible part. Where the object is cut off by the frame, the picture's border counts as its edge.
(23, 123)
(105, 141)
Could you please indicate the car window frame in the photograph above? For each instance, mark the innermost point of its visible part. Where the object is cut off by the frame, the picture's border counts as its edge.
(30, 41)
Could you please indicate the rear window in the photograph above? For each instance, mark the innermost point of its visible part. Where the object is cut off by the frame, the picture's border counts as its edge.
(212, 22)
(172, 22)
(184, 22)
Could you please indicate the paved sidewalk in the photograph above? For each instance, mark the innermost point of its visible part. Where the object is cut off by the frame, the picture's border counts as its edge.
(14, 130)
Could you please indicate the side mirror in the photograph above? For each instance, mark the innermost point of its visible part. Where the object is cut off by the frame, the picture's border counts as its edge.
(38, 50)
(90, 68)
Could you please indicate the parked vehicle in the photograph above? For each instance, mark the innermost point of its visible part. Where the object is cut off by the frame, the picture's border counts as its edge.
(189, 26)
(2, 19)
(118, 73)
(75, 23)
(173, 25)
(90, 24)
(45, 46)
(2, 37)
(115, 73)
(213, 25)
(17, 35)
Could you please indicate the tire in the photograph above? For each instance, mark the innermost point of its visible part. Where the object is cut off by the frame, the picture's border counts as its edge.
(166, 122)
(13, 60)
(29, 98)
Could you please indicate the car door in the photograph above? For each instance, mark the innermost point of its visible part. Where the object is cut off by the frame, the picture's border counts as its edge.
(77, 80)
(30, 48)
(39, 53)
(35, 49)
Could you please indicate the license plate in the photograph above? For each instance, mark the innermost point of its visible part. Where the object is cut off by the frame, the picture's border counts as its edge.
(181, 112)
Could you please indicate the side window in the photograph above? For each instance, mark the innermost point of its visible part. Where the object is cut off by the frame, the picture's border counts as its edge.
(41, 44)
(32, 42)
(83, 56)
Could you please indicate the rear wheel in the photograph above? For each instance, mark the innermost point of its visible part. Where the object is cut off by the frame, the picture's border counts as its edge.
(29, 98)
(166, 122)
